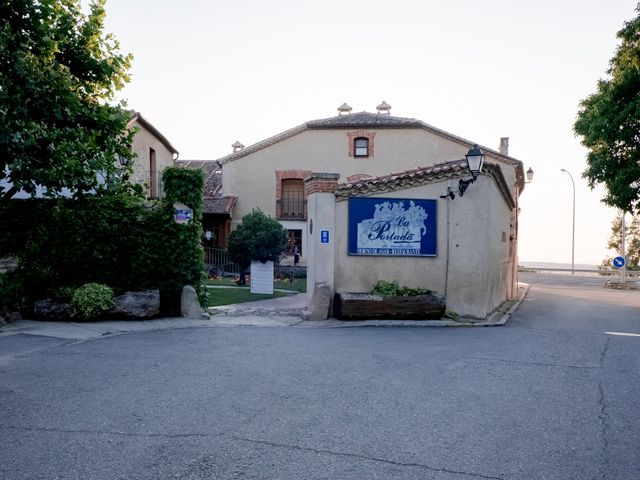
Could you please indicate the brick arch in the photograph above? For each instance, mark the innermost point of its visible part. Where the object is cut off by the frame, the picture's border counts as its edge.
(288, 175)
(281, 177)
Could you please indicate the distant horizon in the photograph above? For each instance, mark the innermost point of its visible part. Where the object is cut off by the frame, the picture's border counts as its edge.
(567, 265)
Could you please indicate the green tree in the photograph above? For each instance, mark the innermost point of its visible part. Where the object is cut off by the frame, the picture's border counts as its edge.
(631, 240)
(58, 73)
(258, 237)
(608, 123)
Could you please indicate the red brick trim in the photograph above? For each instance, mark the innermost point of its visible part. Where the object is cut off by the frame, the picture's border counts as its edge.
(321, 183)
(288, 175)
(351, 136)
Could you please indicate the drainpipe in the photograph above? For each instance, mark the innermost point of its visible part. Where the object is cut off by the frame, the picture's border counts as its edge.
(446, 268)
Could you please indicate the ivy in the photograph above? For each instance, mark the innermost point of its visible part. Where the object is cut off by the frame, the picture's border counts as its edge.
(116, 240)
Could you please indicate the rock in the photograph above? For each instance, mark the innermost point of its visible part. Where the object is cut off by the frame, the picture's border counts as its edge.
(7, 316)
(320, 302)
(189, 304)
(136, 305)
(50, 311)
(361, 306)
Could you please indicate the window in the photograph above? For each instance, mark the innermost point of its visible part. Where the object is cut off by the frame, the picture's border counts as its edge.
(153, 174)
(294, 242)
(361, 143)
(361, 147)
(292, 202)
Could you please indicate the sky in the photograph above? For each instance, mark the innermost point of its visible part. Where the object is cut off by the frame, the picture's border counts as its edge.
(209, 72)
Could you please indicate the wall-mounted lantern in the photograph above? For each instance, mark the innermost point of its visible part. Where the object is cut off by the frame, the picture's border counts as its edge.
(475, 161)
(124, 161)
(529, 175)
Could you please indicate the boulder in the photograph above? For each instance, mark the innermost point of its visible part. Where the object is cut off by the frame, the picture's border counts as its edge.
(189, 304)
(318, 308)
(136, 305)
(7, 316)
(363, 306)
(49, 311)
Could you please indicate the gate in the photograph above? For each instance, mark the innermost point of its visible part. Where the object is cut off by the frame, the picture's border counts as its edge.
(219, 263)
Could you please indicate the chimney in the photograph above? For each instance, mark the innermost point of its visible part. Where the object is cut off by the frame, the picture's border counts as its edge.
(237, 146)
(504, 145)
(384, 108)
(344, 109)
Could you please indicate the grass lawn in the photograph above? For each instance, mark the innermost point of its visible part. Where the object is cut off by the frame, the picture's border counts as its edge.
(298, 285)
(226, 296)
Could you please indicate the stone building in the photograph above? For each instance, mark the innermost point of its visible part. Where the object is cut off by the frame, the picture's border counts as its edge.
(410, 166)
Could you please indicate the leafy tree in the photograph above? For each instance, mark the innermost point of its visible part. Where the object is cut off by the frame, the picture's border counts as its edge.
(608, 123)
(58, 71)
(258, 237)
(631, 241)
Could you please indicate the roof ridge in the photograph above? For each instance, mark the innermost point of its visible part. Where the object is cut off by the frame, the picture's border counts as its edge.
(421, 176)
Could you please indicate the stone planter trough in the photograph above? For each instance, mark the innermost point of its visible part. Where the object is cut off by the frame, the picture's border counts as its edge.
(367, 306)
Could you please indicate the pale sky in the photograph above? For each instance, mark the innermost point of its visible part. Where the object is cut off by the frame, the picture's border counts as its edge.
(209, 72)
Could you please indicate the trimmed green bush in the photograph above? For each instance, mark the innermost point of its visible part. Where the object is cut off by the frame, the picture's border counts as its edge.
(91, 300)
(12, 292)
(115, 239)
(393, 289)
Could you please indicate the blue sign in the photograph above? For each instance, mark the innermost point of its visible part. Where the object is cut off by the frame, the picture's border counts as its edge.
(618, 262)
(392, 227)
(324, 236)
(183, 215)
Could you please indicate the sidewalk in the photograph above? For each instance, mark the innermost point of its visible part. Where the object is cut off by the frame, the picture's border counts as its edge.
(276, 312)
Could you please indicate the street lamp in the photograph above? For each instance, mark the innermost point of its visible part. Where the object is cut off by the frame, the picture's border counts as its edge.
(573, 232)
(529, 175)
(475, 161)
(123, 160)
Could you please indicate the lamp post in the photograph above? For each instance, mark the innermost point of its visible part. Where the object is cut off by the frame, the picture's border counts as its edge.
(475, 161)
(573, 231)
(124, 163)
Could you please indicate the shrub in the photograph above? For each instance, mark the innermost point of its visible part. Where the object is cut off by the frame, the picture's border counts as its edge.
(114, 239)
(11, 296)
(393, 289)
(91, 300)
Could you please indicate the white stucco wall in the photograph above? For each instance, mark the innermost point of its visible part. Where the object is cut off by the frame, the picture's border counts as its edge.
(477, 263)
(253, 179)
(142, 142)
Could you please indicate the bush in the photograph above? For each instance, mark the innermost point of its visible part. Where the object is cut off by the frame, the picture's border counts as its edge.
(393, 289)
(114, 239)
(11, 292)
(91, 300)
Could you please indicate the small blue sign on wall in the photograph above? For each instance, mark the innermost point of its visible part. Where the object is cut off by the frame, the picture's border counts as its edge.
(392, 227)
(183, 215)
(324, 236)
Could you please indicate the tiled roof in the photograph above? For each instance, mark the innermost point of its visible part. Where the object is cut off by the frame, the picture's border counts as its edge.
(220, 204)
(214, 201)
(371, 120)
(137, 117)
(421, 176)
(212, 174)
(365, 120)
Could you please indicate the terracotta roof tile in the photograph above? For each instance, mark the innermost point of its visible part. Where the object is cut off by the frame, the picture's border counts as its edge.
(371, 120)
(212, 174)
(421, 176)
(220, 204)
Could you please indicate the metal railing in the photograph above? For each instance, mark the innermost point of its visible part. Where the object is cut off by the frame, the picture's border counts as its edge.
(603, 272)
(292, 209)
(219, 263)
(153, 182)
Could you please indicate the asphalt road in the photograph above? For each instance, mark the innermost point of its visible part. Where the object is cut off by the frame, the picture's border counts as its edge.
(551, 395)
